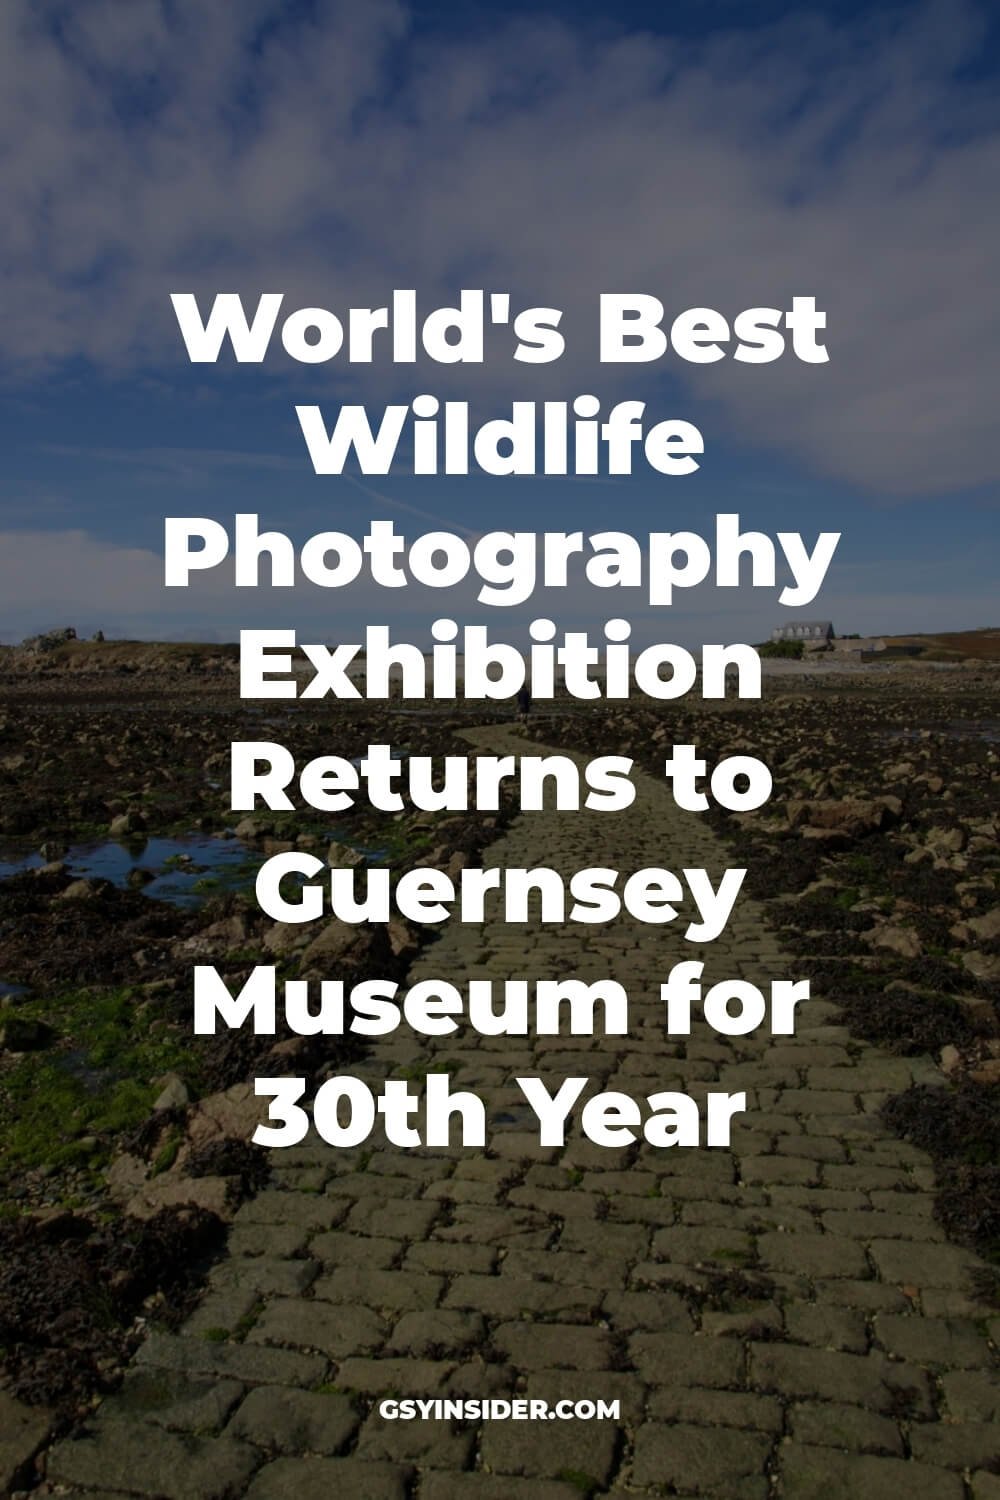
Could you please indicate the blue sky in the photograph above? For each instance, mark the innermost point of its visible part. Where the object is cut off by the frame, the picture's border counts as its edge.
(714, 154)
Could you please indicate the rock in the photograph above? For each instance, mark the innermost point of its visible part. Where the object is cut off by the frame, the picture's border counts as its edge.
(945, 840)
(850, 817)
(343, 857)
(285, 937)
(23, 1430)
(986, 1072)
(172, 1190)
(278, 846)
(982, 965)
(78, 890)
(902, 940)
(402, 940)
(337, 941)
(254, 828)
(986, 927)
(235, 1112)
(951, 1059)
(174, 1093)
(20, 1034)
(126, 823)
(125, 1177)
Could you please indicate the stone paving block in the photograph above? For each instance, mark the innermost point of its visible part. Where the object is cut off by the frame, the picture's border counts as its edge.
(252, 1363)
(863, 1380)
(495, 1226)
(451, 1259)
(340, 1248)
(630, 1241)
(364, 1185)
(437, 1334)
(691, 1247)
(877, 1225)
(279, 1241)
(808, 1473)
(550, 1450)
(392, 1290)
(303, 1210)
(224, 1309)
(818, 1255)
(23, 1430)
(396, 1218)
(716, 1409)
(815, 1147)
(677, 1359)
(829, 1424)
(333, 1330)
(174, 1400)
(135, 1457)
(452, 1191)
(905, 1262)
(570, 1269)
(952, 1342)
(295, 1422)
(760, 1320)
(867, 1296)
(407, 1377)
(650, 1311)
(431, 1444)
(590, 1385)
(865, 1179)
(700, 1460)
(514, 1296)
(534, 1346)
(972, 1396)
(263, 1274)
(816, 1198)
(329, 1479)
(786, 1171)
(957, 1445)
(437, 1486)
(826, 1327)
(568, 1203)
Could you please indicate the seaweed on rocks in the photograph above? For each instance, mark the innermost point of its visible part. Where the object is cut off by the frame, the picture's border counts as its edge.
(72, 1290)
(959, 1126)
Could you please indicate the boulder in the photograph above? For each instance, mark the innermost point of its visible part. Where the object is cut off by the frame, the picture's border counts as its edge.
(126, 823)
(336, 943)
(173, 1191)
(850, 817)
(174, 1093)
(987, 927)
(982, 965)
(902, 940)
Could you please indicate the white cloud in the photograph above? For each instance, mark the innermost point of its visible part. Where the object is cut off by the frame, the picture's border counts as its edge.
(213, 147)
(56, 578)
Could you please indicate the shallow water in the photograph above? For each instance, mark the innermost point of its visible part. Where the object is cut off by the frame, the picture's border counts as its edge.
(186, 869)
(986, 730)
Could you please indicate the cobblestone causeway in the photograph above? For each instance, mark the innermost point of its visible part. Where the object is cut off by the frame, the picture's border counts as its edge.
(784, 1318)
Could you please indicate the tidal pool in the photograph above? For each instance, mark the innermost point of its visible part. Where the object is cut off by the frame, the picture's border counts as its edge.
(184, 870)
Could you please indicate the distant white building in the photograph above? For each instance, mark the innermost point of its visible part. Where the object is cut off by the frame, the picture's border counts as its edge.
(804, 630)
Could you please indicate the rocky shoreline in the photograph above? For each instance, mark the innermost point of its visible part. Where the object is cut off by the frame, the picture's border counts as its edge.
(123, 1139)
